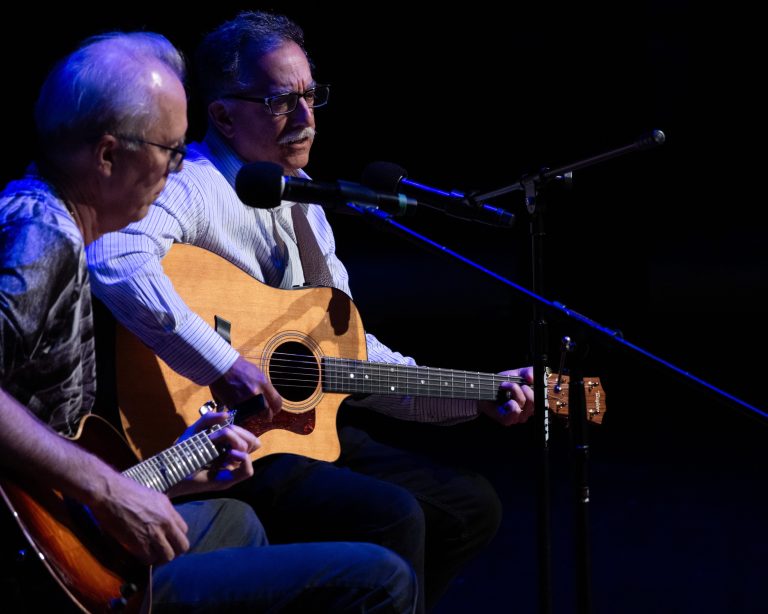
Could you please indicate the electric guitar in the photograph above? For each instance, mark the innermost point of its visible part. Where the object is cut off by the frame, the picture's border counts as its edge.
(95, 572)
(309, 342)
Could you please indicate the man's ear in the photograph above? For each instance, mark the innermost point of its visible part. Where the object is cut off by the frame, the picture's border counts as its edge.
(104, 154)
(220, 117)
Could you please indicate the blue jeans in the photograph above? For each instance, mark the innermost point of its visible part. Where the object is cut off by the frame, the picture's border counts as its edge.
(435, 517)
(230, 567)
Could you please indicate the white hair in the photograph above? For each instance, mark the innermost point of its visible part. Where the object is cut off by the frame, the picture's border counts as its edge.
(102, 87)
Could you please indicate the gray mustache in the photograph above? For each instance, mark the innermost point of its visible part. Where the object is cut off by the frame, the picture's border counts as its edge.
(296, 136)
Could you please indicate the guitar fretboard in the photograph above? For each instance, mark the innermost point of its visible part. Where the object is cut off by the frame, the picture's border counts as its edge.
(171, 466)
(359, 376)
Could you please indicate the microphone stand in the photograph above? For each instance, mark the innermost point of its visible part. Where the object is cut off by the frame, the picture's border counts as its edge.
(535, 202)
(536, 208)
(532, 186)
(577, 421)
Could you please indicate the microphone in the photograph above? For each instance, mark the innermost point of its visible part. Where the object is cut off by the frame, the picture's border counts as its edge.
(391, 178)
(262, 185)
(653, 139)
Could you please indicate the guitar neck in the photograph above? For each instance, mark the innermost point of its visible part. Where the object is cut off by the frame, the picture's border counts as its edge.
(359, 376)
(166, 469)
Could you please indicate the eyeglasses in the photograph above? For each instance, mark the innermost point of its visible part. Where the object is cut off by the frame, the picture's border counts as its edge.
(177, 153)
(283, 104)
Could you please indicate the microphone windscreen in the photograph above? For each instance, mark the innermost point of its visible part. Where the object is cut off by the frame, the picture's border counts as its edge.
(383, 177)
(260, 184)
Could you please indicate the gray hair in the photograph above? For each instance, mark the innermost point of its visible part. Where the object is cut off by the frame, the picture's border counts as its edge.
(101, 88)
(222, 57)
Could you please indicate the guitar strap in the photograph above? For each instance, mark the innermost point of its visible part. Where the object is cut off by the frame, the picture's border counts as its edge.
(223, 328)
(254, 405)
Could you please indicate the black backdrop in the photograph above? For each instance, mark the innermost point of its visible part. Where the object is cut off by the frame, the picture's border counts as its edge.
(664, 245)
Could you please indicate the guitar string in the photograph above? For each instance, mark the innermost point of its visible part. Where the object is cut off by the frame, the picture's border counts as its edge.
(457, 384)
(431, 381)
(408, 371)
(167, 468)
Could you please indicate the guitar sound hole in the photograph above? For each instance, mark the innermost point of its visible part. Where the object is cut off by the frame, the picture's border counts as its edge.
(293, 371)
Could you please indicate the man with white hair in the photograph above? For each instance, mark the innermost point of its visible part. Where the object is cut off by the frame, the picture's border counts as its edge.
(111, 122)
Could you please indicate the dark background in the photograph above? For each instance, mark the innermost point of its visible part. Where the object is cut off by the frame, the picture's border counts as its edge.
(666, 245)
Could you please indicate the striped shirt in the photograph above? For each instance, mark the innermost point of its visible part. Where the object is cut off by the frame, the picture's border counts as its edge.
(199, 206)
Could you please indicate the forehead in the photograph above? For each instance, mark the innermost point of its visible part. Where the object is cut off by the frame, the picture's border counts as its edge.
(170, 120)
(283, 68)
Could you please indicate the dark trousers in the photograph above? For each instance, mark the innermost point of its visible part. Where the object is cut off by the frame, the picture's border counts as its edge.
(435, 517)
(231, 568)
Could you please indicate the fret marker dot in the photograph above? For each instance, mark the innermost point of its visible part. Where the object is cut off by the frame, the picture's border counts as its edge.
(422, 381)
(352, 375)
(392, 388)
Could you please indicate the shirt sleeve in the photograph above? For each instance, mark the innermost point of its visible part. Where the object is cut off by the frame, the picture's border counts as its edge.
(128, 278)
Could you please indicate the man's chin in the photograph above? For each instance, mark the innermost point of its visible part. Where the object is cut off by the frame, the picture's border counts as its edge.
(140, 213)
(293, 161)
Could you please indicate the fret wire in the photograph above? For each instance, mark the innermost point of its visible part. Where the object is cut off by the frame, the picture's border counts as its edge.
(175, 459)
(146, 477)
(133, 474)
(471, 385)
(178, 463)
(186, 459)
(172, 471)
(201, 449)
(334, 363)
(151, 477)
(167, 468)
(206, 449)
(158, 465)
(332, 374)
(163, 469)
(412, 381)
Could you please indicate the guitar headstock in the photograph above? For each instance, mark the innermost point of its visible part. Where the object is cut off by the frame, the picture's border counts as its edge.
(594, 395)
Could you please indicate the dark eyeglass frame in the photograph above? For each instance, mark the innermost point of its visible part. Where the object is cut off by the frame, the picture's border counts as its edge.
(177, 153)
(268, 100)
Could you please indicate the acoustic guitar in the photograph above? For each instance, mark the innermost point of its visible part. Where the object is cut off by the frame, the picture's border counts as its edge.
(310, 342)
(96, 572)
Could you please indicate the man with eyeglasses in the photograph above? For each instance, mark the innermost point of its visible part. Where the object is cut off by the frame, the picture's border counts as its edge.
(111, 120)
(175, 154)
(261, 96)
